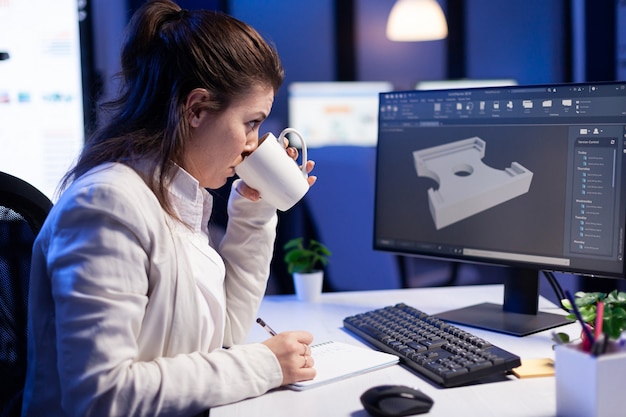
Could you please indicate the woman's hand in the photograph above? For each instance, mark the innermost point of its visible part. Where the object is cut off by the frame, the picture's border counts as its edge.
(293, 153)
(294, 355)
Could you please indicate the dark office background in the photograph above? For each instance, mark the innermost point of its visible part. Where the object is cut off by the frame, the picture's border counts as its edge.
(530, 41)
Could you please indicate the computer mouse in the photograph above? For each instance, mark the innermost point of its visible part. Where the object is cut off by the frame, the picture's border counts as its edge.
(395, 401)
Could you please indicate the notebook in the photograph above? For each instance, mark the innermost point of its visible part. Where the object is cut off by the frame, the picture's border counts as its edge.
(337, 360)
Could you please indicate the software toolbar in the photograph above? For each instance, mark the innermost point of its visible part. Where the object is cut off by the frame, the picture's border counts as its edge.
(503, 103)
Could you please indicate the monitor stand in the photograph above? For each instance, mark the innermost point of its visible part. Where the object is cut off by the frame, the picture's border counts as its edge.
(518, 316)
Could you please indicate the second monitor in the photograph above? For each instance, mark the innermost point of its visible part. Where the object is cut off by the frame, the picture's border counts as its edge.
(336, 113)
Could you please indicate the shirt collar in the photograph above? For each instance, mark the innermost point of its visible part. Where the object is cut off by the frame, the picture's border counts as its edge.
(192, 203)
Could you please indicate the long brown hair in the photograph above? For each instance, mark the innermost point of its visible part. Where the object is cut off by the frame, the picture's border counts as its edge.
(167, 53)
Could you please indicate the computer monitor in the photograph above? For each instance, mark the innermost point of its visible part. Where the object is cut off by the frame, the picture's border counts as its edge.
(529, 177)
(336, 113)
(41, 89)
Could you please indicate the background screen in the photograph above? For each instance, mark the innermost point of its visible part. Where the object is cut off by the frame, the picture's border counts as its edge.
(41, 102)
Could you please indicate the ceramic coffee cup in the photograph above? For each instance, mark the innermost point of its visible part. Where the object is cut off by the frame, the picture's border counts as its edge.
(272, 172)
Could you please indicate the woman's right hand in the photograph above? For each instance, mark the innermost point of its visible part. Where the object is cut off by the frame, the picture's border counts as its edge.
(294, 355)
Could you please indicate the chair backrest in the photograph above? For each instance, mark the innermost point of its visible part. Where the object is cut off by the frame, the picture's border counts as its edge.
(23, 210)
(341, 204)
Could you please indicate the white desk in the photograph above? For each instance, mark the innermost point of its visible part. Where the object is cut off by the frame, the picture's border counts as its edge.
(507, 397)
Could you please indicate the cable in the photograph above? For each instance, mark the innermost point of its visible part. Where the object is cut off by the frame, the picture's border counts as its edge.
(556, 287)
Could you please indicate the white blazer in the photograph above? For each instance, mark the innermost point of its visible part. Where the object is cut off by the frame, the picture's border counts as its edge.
(129, 309)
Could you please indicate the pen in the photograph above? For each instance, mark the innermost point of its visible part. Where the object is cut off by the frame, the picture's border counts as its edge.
(265, 326)
(586, 330)
(599, 319)
(599, 345)
(600, 342)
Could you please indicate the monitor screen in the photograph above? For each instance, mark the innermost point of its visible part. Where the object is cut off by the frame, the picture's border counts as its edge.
(41, 96)
(336, 113)
(530, 177)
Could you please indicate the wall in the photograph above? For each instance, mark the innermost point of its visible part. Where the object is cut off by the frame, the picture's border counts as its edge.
(303, 33)
(621, 40)
(108, 20)
(402, 63)
(521, 40)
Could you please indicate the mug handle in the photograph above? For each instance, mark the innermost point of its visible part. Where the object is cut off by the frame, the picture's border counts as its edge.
(304, 154)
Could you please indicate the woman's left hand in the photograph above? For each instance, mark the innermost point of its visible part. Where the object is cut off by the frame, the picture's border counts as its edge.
(293, 153)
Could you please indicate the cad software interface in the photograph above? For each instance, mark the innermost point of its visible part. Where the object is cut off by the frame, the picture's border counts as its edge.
(524, 175)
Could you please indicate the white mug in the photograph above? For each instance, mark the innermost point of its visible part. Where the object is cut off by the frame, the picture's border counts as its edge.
(275, 174)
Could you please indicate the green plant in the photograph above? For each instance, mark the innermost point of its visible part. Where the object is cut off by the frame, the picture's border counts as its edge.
(614, 319)
(301, 258)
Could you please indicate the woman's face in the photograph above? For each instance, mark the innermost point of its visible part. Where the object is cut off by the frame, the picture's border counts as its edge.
(219, 142)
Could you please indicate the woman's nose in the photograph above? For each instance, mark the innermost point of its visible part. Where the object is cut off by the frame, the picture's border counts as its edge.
(251, 144)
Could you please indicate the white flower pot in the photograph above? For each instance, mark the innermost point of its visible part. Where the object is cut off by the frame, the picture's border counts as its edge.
(308, 285)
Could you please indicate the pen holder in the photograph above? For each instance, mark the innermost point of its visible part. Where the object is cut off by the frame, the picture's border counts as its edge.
(588, 385)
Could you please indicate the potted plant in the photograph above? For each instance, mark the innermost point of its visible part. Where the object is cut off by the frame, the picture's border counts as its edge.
(306, 263)
(614, 317)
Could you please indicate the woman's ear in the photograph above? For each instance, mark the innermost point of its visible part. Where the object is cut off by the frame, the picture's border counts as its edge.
(193, 104)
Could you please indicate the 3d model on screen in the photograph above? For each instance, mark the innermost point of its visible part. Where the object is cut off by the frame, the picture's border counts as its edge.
(466, 185)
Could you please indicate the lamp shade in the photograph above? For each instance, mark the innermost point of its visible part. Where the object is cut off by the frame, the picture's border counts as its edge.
(416, 20)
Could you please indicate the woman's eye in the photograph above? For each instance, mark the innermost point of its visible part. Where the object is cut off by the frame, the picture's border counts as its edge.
(254, 124)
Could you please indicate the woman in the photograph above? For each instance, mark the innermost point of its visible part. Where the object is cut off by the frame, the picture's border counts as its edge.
(132, 310)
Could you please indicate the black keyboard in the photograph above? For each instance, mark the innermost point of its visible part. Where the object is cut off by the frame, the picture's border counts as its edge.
(437, 350)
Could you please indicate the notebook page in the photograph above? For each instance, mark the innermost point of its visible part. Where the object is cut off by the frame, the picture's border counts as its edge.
(337, 360)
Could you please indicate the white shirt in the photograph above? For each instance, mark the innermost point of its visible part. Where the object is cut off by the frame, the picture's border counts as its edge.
(128, 309)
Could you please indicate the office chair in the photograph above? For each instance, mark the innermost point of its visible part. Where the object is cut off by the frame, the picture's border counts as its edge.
(23, 210)
(341, 205)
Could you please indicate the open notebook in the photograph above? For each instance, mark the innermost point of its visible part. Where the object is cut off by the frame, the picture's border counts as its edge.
(337, 360)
